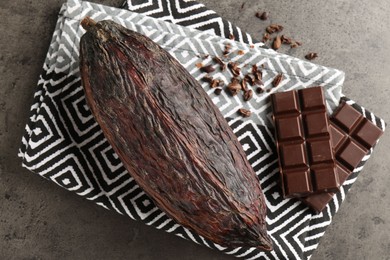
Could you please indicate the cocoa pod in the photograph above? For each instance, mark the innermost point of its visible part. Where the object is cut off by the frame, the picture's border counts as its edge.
(171, 137)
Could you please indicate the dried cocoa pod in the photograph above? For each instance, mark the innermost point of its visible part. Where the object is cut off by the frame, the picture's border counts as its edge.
(171, 137)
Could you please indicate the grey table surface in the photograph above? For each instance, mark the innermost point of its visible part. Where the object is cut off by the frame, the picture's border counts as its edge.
(39, 220)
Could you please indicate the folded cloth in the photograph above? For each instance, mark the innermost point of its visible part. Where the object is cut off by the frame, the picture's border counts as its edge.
(64, 144)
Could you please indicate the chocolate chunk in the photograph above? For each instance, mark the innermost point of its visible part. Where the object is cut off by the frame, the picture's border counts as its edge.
(352, 137)
(306, 159)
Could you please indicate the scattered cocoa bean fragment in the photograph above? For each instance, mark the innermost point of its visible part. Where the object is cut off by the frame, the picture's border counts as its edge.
(233, 66)
(266, 37)
(277, 43)
(217, 91)
(231, 37)
(215, 83)
(295, 44)
(244, 86)
(227, 49)
(277, 80)
(244, 112)
(259, 90)
(258, 75)
(273, 28)
(240, 52)
(248, 95)
(207, 79)
(311, 55)
(286, 40)
(254, 68)
(234, 87)
(250, 78)
(220, 62)
(199, 65)
(207, 69)
(262, 15)
(259, 82)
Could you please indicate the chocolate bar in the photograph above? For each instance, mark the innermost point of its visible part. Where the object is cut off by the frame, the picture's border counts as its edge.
(352, 137)
(306, 160)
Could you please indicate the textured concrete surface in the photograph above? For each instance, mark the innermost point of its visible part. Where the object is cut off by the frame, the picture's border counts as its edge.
(39, 220)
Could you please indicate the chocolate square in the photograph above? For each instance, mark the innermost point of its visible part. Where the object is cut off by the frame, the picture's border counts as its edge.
(298, 182)
(368, 134)
(316, 124)
(347, 117)
(293, 155)
(321, 151)
(285, 102)
(326, 180)
(337, 136)
(351, 154)
(312, 98)
(289, 128)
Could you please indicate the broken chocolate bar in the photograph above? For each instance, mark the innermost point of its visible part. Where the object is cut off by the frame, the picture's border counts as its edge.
(352, 137)
(306, 160)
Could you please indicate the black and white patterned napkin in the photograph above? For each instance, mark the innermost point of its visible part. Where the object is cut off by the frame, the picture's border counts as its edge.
(64, 144)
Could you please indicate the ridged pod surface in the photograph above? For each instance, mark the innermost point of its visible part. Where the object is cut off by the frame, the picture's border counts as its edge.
(171, 137)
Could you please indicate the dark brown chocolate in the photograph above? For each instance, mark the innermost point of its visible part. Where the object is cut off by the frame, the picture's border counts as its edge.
(352, 137)
(306, 159)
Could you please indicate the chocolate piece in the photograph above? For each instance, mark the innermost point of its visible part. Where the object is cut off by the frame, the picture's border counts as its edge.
(352, 137)
(306, 159)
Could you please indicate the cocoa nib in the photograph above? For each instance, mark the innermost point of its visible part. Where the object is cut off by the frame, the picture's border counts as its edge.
(250, 78)
(285, 40)
(207, 69)
(248, 95)
(233, 66)
(259, 90)
(234, 87)
(217, 91)
(213, 82)
(216, 83)
(244, 112)
(262, 15)
(227, 49)
(277, 80)
(311, 56)
(231, 37)
(220, 62)
(277, 43)
(254, 68)
(266, 37)
(273, 28)
(207, 79)
(258, 75)
(244, 86)
(295, 44)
